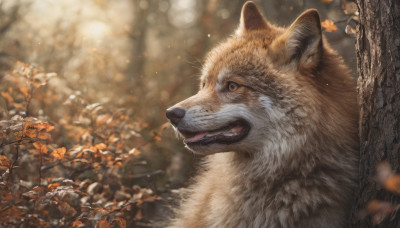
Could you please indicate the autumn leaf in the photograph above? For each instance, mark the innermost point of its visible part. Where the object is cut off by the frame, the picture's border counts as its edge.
(392, 183)
(120, 222)
(101, 146)
(102, 224)
(44, 135)
(386, 177)
(349, 30)
(326, 1)
(77, 223)
(156, 136)
(41, 148)
(134, 152)
(29, 130)
(379, 210)
(351, 8)
(53, 186)
(44, 126)
(12, 212)
(58, 153)
(24, 91)
(34, 193)
(329, 25)
(101, 119)
(66, 209)
(5, 163)
(7, 97)
(7, 196)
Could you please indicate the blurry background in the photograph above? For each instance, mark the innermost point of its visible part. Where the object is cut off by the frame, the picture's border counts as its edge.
(137, 55)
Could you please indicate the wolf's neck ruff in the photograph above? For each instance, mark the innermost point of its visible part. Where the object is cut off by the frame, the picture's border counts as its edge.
(281, 102)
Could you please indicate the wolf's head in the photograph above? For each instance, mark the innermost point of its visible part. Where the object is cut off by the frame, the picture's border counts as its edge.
(264, 87)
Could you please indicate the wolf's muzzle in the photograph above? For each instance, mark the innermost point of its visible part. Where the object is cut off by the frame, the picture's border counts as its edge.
(175, 115)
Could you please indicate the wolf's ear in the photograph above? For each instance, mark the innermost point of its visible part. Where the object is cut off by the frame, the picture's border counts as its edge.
(303, 40)
(251, 18)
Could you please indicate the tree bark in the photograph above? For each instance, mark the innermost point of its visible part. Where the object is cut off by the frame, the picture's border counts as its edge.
(378, 63)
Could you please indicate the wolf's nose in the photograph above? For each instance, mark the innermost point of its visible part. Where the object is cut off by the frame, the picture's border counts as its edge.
(175, 115)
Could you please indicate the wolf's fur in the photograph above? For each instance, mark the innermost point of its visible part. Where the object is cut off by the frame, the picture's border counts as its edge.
(297, 165)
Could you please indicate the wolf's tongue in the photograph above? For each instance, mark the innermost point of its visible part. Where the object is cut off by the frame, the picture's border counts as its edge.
(195, 138)
(227, 133)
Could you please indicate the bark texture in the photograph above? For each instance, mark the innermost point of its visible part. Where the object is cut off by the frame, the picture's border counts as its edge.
(378, 57)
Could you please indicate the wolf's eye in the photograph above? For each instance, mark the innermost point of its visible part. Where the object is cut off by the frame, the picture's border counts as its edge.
(232, 86)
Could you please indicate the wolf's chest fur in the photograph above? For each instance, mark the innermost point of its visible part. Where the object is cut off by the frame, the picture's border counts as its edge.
(276, 115)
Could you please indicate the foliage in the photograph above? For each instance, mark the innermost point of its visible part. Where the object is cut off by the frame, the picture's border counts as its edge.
(350, 10)
(63, 169)
(380, 210)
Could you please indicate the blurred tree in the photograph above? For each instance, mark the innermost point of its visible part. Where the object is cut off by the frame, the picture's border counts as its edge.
(141, 9)
(9, 16)
(378, 54)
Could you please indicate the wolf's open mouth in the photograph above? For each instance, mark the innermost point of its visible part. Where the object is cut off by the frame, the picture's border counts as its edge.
(231, 133)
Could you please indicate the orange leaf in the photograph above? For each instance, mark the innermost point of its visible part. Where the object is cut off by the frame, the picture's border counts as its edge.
(393, 183)
(41, 148)
(58, 153)
(349, 30)
(379, 210)
(29, 130)
(326, 1)
(76, 223)
(156, 136)
(44, 135)
(329, 25)
(7, 97)
(5, 162)
(120, 221)
(7, 197)
(12, 212)
(102, 224)
(44, 126)
(134, 152)
(24, 91)
(101, 146)
(53, 186)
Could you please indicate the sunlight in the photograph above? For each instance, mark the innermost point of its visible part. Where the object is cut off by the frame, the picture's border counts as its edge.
(95, 30)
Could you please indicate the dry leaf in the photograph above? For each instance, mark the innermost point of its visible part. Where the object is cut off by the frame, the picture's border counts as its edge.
(76, 223)
(393, 183)
(58, 153)
(379, 210)
(5, 162)
(329, 25)
(24, 91)
(102, 224)
(349, 30)
(351, 8)
(41, 148)
(53, 186)
(100, 146)
(134, 152)
(120, 222)
(7, 97)
(29, 130)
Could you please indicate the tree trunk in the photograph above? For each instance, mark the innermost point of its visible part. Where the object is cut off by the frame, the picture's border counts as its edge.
(378, 57)
(138, 35)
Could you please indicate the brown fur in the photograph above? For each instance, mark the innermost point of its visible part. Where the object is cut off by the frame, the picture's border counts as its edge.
(297, 167)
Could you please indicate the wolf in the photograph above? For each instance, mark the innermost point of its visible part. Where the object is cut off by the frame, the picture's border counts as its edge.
(276, 118)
